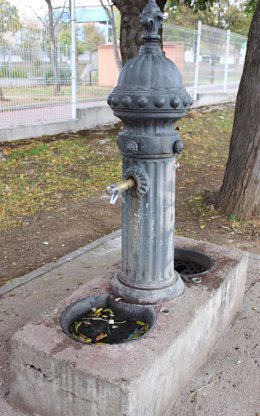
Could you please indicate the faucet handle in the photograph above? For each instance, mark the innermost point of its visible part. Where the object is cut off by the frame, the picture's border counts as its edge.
(113, 191)
(113, 199)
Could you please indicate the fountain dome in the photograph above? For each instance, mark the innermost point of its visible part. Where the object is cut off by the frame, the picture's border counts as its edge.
(150, 83)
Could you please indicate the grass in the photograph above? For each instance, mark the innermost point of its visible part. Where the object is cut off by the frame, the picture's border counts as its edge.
(206, 137)
(49, 173)
(37, 175)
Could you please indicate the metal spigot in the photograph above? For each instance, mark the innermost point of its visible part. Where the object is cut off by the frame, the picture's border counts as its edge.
(117, 189)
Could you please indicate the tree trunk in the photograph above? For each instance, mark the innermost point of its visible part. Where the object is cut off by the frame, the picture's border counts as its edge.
(115, 43)
(240, 191)
(131, 29)
(53, 45)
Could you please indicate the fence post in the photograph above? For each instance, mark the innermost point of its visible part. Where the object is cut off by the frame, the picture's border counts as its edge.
(73, 63)
(197, 62)
(226, 60)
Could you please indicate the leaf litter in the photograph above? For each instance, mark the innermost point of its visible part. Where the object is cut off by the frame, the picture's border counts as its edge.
(103, 324)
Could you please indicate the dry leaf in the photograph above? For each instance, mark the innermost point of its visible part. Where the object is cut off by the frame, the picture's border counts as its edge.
(101, 336)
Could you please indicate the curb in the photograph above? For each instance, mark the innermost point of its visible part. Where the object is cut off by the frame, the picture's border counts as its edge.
(20, 281)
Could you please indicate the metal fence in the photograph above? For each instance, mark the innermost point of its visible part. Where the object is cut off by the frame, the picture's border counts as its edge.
(38, 68)
(212, 59)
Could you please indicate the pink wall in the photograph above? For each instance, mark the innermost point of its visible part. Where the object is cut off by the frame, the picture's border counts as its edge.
(107, 69)
(175, 52)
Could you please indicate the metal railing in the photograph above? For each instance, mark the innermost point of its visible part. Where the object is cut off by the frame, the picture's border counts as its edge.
(44, 79)
(213, 58)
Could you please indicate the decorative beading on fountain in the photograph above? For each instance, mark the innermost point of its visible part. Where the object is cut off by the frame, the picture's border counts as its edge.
(149, 98)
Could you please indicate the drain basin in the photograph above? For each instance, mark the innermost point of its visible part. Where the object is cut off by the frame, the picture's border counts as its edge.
(191, 263)
(103, 320)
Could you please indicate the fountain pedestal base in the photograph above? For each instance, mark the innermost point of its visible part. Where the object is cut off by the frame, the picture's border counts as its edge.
(53, 375)
(147, 296)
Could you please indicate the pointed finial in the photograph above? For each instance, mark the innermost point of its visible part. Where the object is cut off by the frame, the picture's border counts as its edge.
(151, 18)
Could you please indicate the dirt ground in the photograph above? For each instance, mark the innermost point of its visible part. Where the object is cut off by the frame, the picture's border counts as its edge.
(48, 235)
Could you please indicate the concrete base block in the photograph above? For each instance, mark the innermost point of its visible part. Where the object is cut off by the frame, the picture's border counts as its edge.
(53, 375)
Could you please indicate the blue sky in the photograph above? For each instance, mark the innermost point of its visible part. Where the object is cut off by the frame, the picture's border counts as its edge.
(39, 6)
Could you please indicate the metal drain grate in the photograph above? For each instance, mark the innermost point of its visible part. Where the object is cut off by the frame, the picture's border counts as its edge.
(188, 267)
(191, 263)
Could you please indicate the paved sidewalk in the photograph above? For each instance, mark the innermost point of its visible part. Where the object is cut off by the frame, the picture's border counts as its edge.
(228, 385)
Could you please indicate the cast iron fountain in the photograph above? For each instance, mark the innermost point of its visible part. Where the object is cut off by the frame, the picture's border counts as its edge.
(149, 99)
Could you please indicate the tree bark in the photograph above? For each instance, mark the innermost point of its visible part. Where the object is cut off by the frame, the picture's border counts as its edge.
(240, 191)
(131, 29)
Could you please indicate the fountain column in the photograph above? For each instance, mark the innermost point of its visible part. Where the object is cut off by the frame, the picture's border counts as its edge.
(149, 98)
